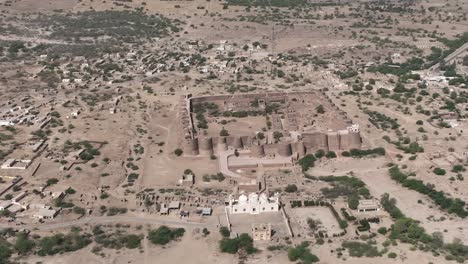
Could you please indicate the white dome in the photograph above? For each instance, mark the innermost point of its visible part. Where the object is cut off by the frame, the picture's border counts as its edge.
(263, 197)
(253, 197)
(242, 199)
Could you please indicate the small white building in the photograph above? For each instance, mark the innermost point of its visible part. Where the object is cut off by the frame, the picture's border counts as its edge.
(18, 197)
(368, 206)
(4, 205)
(253, 204)
(58, 195)
(45, 213)
(75, 113)
(6, 123)
(38, 206)
(16, 164)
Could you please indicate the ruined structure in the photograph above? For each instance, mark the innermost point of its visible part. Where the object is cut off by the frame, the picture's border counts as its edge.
(261, 232)
(296, 114)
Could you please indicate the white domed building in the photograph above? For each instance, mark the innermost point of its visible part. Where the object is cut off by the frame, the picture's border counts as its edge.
(253, 204)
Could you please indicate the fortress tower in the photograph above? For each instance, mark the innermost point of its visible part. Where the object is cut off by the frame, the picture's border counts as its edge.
(206, 146)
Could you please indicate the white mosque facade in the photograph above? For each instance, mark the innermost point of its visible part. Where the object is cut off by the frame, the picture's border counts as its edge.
(253, 204)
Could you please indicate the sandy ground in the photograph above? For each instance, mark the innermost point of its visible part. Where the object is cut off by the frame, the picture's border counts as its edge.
(375, 175)
(193, 248)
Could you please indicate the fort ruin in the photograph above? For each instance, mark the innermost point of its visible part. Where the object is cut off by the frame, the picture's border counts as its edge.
(296, 123)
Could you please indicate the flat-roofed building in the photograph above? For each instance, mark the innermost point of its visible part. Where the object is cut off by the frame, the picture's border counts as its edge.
(4, 205)
(46, 213)
(368, 206)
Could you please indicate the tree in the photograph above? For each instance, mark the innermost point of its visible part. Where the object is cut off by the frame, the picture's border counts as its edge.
(79, 210)
(382, 230)
(277, 136)
(353, 201)
(229, 245)
(5, 251)
(320, 109)
(70, 190)
(164, 235)
(319, 153)
(224, 133)
(260, 136)
(439, 171)
(291, 188)
(16, 46)
(233, 245)
(23, 245)
(224, 231)
(51, 181)
(178, 152)
(307, 162)
(132, 241)
(302, 252)
(331, 155)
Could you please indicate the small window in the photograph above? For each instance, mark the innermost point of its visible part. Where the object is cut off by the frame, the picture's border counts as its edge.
(272, 208)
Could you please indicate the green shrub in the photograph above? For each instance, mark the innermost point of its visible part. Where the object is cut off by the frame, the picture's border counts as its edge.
(439, 171)
(224, 231)
(232, 245)
(302, 253)
(164, 235)
(291, 188)
(178, 152)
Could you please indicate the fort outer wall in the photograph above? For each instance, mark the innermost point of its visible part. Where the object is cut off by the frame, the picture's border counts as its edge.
(310, 143)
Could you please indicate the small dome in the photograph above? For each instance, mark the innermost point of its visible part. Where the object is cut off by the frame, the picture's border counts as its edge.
(253, 197)
(242, 199)
(263, 198)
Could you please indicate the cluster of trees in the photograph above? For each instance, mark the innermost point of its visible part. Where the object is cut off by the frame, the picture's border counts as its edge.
(347, 74)
(201, 109)
(93, 24)
(291, 188)
(344, 186)
(360, 249)
(240, 114)
(302, 252)
(61, 243)
(321, 153)
(273, 3)
(116, 240)
(359, 153)
(49, 245)
(242, 243)
(215, 177)
(454, 206)
(382, 121)
(88, 153)
(405, 144)
(410, 65)
(408, 230)
(308, 161)
(25, 244)
(163, 235)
